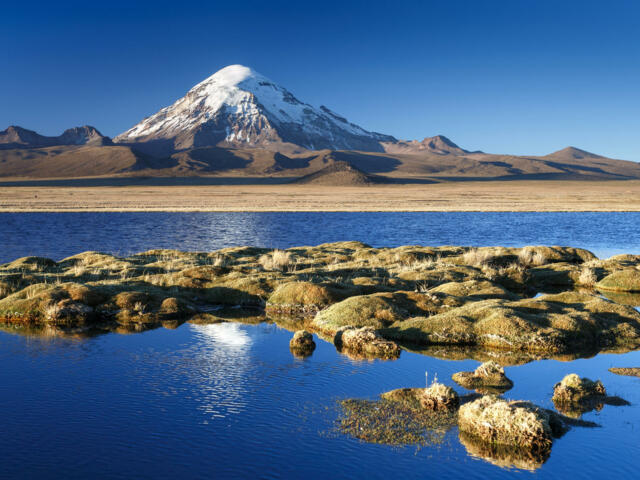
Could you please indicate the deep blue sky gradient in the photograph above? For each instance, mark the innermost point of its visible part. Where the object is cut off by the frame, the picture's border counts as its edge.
(521, 77)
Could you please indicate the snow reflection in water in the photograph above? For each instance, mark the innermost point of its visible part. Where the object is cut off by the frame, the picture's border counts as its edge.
(220, 366)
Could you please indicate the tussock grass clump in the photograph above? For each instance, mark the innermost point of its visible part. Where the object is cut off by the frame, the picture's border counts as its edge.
(478, 257)
(439, 397)
(487, 377)
(302, 343)
(51, 304)
(574, 396)
(365, 342)
(529, 256)
(276, 260)
(574, 389)
(172, 305)
(304, 297)
(132, 299)
(219, 260)
(588, 277)
(496, 421)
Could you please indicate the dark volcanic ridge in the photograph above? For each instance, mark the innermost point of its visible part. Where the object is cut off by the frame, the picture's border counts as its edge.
(341, 173)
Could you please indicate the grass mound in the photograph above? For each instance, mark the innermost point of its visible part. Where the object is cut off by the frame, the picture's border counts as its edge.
(489, 377)
(574, 396)
(431, 296)
(302, 343)
(627, 280)
(473, 290)
(549, 324)
(439, 397)
(304, 297)
(365, 342)
(572, 388)
(360, 311)
(493, 420)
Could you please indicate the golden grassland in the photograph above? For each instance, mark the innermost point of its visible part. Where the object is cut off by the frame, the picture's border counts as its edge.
(523, 195)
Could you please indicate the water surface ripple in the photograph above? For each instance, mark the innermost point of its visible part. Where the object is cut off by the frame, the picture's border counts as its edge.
(58, 235)
(230, 401)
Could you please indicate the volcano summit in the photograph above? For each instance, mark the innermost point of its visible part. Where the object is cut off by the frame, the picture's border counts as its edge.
(238, 107)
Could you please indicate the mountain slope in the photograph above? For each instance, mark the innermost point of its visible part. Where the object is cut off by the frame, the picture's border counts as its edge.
(18, 137)
(71, 161)
(237, 106)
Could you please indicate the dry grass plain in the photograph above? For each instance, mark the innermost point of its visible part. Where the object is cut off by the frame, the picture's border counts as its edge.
(453, 196)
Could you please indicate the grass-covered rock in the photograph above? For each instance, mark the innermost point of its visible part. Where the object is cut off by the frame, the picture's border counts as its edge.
(446, 297)
(365, 342)
(573, 388)
(302, 343)
(474, 290)
(374, 311)
(574, 396)
(547, 324)
(627, 280)
(439, 397)
(489, 377)
(522, 425)
(305, 297)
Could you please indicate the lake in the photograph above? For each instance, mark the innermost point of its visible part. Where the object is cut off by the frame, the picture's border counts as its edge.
(230, 401)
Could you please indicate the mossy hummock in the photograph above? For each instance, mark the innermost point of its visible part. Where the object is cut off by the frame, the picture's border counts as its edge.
(488, 377)
(412, 295)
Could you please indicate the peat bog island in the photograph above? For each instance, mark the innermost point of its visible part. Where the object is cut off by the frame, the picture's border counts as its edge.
(205, 273)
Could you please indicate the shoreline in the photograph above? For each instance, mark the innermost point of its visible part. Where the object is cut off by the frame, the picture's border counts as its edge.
(489, 196)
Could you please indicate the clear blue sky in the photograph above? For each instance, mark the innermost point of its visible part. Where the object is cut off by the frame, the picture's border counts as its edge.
(521, 77)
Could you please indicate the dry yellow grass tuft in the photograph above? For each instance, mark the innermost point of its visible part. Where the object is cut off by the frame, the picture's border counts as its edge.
(276, 260)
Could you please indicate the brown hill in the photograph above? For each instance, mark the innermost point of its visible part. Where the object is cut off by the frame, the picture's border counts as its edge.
(438, 144)
(341, 174)
(84, 152)
(117, 160)
(18, 137)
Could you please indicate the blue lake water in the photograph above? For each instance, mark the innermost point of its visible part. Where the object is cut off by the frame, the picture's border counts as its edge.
(230, 401)
(58, 235)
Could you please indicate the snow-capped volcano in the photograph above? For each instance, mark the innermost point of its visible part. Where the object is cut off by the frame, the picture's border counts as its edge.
(239, 107)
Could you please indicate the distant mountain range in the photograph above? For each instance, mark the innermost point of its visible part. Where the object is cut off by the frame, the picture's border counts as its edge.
(18, 137)
(239, 123)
